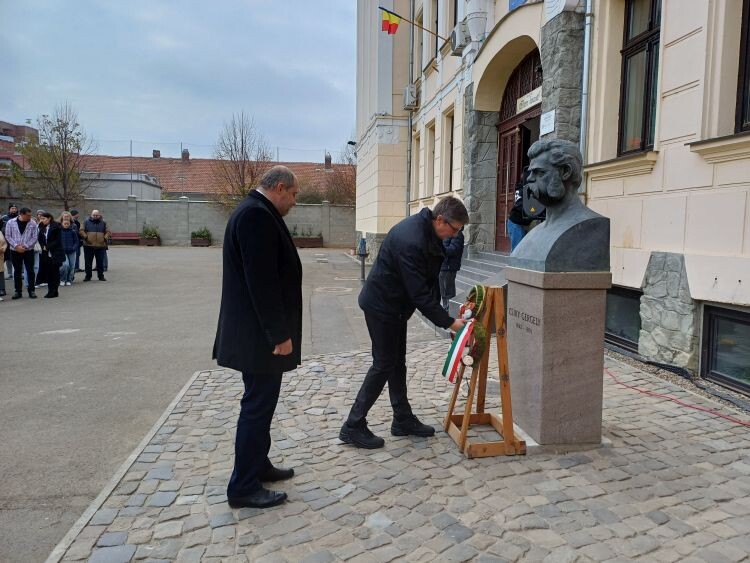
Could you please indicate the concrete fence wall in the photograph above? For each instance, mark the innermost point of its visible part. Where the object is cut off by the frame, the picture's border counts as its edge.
(176, 219)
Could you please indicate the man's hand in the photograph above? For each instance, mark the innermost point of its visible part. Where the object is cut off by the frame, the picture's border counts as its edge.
(20, 248)
(283, 349)
(457, 325)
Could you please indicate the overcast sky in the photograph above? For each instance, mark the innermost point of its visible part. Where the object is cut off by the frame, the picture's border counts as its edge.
(164, 72)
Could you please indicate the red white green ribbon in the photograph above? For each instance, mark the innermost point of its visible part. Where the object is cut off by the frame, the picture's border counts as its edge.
(460, 341)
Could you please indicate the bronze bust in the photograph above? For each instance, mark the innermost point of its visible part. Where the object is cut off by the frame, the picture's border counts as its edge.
(573, 238)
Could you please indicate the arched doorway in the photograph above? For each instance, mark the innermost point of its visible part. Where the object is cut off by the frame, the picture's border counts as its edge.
(517, 129)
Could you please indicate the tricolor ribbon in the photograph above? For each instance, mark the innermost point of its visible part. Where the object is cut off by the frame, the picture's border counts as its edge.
(460, 341)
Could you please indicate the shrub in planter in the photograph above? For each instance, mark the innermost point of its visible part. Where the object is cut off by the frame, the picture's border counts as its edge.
(150, 236)
(201, 237)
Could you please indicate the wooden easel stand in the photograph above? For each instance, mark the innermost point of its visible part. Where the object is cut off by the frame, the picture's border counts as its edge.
(457, 425)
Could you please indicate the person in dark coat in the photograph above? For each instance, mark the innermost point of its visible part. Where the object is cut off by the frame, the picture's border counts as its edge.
(260, 327)
(453, 248)
(52, 254)
(403, 278)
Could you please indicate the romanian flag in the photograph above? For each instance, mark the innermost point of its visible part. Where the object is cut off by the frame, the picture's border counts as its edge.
(390, 22)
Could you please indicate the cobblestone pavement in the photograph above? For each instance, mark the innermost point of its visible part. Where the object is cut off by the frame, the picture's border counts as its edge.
(673, 486)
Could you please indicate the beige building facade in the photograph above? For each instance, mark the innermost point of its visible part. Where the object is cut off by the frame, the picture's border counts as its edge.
(657, 94)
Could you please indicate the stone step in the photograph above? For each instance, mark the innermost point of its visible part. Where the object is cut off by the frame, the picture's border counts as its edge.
(483, 265)
(494, 257)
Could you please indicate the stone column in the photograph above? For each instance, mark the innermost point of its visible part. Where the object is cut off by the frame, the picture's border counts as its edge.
(562, 64)
(669, 316)
(480, 173)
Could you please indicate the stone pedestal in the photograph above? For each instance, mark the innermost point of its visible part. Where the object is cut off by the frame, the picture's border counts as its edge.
(556, 353)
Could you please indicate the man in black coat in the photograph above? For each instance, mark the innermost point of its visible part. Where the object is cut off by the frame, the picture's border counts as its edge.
(260, 327)
(403, 278)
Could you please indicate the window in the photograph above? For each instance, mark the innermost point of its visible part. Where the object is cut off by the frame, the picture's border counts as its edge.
(447, 158)
(640, 62)
(743, 95)
(454, 14)
(429, 160)
(418, 46)
(725, 354)
(415, 168)
(622, 325)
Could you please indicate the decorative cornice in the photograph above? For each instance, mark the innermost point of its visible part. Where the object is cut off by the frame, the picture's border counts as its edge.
(635, 165)
(723, 149)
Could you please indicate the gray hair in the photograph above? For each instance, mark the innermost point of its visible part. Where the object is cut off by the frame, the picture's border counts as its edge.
(561, 153)
(451, 209)
(278, 174)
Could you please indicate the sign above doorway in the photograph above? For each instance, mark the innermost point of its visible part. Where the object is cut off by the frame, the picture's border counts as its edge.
(528, 100)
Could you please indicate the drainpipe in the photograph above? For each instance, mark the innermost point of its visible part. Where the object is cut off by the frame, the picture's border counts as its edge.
(585, 85)
(411, 113)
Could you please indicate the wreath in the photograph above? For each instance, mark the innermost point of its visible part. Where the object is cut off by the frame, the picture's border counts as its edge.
(470, 342)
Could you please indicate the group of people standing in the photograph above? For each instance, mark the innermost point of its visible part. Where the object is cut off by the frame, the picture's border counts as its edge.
(260, 322)
(46, 250)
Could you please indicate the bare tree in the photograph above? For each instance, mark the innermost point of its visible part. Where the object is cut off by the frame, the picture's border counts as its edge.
(242, 156)
(56, 160)
(341, 183)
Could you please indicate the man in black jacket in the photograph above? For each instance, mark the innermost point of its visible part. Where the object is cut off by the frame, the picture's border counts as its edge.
(260, 327)
(403, 278)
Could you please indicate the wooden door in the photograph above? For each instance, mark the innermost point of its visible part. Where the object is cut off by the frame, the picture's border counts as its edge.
(508, 172)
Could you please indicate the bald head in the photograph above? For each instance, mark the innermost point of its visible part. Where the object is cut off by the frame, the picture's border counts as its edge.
(95, 214)
(278, 175)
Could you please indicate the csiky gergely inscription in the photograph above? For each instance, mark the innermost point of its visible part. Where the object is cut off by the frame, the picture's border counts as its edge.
(524, 321)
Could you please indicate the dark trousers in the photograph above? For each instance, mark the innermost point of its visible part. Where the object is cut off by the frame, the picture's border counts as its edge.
(388, 366)
(89, 253)
(78, 258)
(447, 287)
(23, 260)
(53, 273)
(253, 440)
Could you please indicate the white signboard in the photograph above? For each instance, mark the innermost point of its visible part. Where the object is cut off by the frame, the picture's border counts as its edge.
(547, 122)
(554, 7)
(531, 99)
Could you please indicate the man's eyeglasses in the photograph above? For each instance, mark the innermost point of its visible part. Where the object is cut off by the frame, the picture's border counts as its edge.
(453, 227)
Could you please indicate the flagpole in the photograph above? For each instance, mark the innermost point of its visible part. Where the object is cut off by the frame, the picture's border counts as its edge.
(413, 23)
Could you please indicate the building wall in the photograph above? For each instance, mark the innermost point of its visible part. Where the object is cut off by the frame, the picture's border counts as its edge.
(687, 199)
(689, 195)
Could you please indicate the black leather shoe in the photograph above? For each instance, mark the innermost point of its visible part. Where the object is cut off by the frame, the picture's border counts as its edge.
(17, 296)
(51, 295)
(262, 498)
(86, 279)
(411, 427)
(102, 278)
(360, 436)
(32, 295)
(277, 474)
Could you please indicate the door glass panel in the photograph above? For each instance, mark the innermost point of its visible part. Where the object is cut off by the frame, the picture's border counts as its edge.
(623, 315)
(635, 86)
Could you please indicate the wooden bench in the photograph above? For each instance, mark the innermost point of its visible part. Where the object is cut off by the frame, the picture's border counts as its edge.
(125, 238)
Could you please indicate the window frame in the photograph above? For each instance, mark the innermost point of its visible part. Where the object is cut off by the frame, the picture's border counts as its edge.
(616, 338)
(708, 345)
(647, 41)
(742, 122)
(416, 158)
(429, 159)
(447, 140)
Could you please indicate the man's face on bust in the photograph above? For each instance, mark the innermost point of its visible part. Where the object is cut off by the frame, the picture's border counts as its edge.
(545, 181)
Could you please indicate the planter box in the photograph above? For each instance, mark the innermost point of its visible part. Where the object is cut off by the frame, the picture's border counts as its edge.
(308, 242)
(149, 241)
(200, 242)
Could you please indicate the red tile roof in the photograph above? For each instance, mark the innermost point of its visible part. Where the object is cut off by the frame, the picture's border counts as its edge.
(196, 174)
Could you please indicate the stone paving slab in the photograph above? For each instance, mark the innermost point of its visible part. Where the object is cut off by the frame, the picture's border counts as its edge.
(673, 486)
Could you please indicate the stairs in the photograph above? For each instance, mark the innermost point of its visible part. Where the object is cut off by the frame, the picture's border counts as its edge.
(477, 267)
